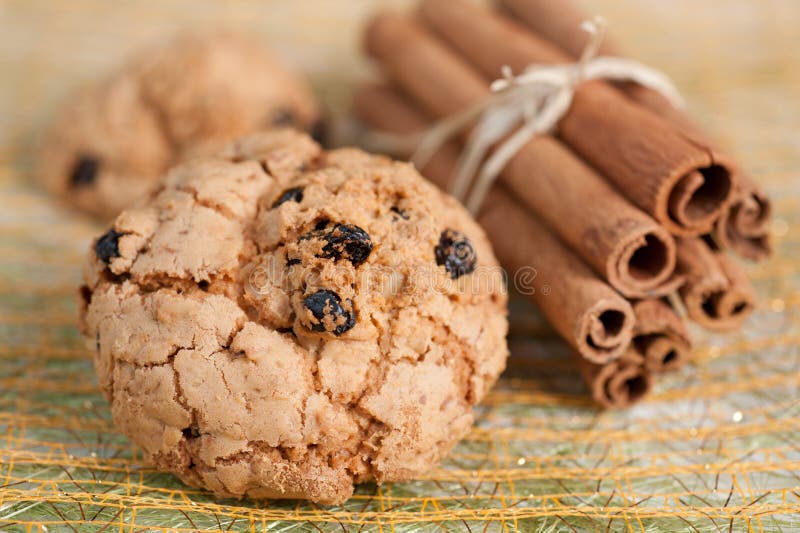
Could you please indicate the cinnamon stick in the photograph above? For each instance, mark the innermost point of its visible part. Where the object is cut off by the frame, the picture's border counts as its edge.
(593, 318)
(585, 311)
(620, 383)
(717, 293)
(660, 336)
(620, 242)
(744, 225)
(683, 185)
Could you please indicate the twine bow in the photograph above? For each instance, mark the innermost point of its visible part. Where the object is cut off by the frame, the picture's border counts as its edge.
(533, 103)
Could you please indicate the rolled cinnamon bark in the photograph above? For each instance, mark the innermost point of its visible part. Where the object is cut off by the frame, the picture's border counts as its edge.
(620, 383)
(660, 336)
(620, 242)
(685, 186)
(744, 225)
(585, 311)
(717, 293)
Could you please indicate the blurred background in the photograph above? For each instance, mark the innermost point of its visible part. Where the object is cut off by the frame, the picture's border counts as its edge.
(49, 47)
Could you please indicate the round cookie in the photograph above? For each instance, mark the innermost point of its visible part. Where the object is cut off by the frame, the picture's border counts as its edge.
(278, 321)
(113, 140)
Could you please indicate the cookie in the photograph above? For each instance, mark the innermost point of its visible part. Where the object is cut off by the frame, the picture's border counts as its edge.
(278, 321)
(113, 140)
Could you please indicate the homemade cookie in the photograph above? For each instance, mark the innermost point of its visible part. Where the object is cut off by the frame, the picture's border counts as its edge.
(282, 322)
(113, 140)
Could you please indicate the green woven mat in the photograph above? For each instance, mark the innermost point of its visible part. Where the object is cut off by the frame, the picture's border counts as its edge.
(715, 448)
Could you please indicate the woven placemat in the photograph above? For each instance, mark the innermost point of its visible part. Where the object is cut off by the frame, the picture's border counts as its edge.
(714, 449)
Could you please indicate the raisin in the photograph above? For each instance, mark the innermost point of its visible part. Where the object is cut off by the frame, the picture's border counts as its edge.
(327, 304)
(399, 212)
(192, 432)
(342, 241)
(84, 172)
(319, 131)
(107, 246)
(283, 117)
(456, 253)
(295, 194)
(349, 242)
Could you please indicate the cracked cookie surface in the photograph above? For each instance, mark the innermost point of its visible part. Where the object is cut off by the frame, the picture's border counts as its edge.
(273, 345)
(114, 139)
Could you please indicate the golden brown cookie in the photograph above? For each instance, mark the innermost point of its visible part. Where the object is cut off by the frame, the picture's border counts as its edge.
(278, 321)
(113, 140)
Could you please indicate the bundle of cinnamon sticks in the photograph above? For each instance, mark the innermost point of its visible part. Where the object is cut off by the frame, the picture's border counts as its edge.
(623, 213)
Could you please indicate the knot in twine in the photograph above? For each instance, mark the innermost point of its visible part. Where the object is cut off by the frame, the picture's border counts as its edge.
(533, 102)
